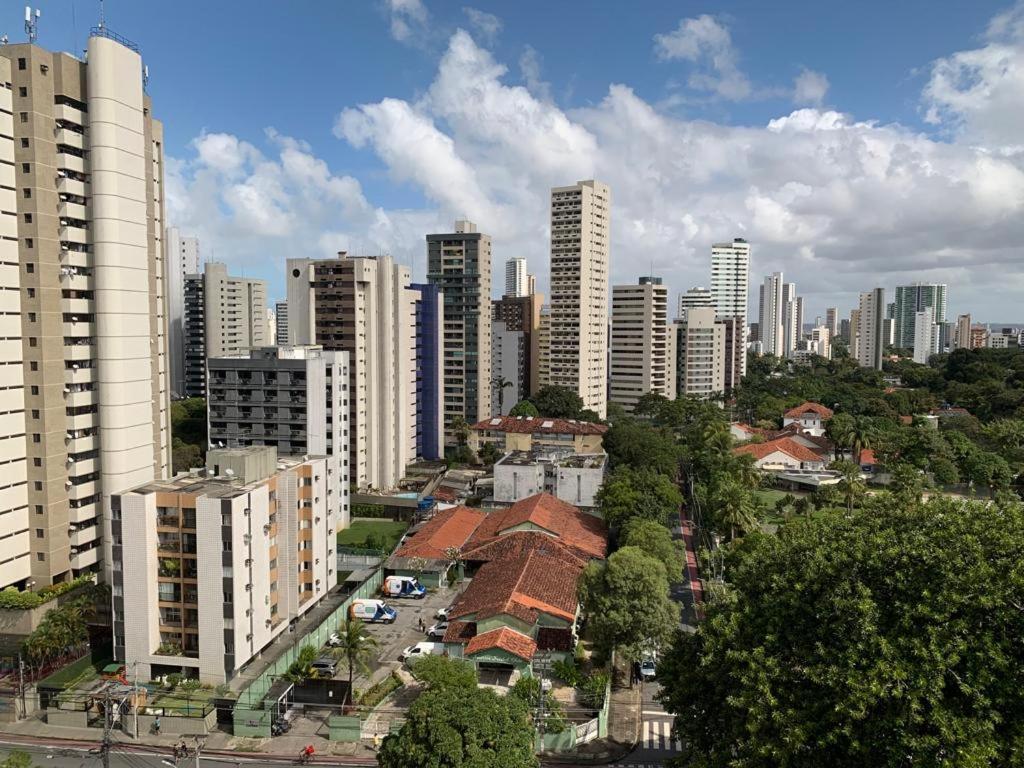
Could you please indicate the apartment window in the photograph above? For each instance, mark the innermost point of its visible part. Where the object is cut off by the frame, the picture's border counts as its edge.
(227, 545)
(40, 533)
(30, 293)
(26, 168)
(26, 192)
(41, 557)
(228, 598)
(28, 218)
(22, 65)
(23, 116)
(38, 485)
(35, 414)
(32, 341)
(32, 319)
(22, 91)
(24, 143)
(35, 438)
(39, 509)
(33, 365)
(30, 267)
(37, 462)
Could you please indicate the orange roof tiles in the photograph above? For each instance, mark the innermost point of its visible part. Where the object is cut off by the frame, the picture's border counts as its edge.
(800, 410)
(450, 528)
(505, 639)
(867, 456)
(572, 528)
(539, 425)
(784, 444)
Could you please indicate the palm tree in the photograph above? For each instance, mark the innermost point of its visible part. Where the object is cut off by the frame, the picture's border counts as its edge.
(500, 383)
(850, 483)
(735, 507)
(460, 430)
(861, 436)
(356, 646)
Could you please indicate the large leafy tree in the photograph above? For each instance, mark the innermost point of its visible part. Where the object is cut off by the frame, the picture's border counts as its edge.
(556, 402)
(636, 444)
(628, 493)
(654, 539)
(627, 602)
(885, 637)
(461, 726)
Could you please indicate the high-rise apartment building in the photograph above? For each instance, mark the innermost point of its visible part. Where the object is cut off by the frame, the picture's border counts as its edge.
(792, 318)
(640, 348)
(429, 371)
(544, 347)
(281, 322)
(855, 334)
(224, 316)
(459, 264)
(521, 314)
(700, 354)
(580, 263)
(15, 544)
(870, 343)
(771, 317)
(364, 306)
(181, 254)
(926, 335)
(820, 342)
(911, 299)
(88, 178)
(962, 332)
(697, 296)
(516, 279)
(509, 355)
(531, 285)
(730, 283)
(735, 350)
(832, 321)
(211, 569)
(294, 398)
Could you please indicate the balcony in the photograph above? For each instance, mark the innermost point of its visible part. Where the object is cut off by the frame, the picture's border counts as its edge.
(84, 514)
(66, 186)
(69, 137)
(85, 558)
(74, 235)
(72, 115)
(76, 281)
(71, 258)
(81, 328)
(85, 466)
(79, 352)
(70, 162)
(81, 536)
(69, 210)
(83, 444)
(77, 307)
(84, 490)
(81, 421)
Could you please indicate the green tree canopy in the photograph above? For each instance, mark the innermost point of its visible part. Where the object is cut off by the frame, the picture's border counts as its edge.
(462, 727)
(628, 493)
(443, 672)
(627, 603)
(556, 402)
(524, 408)
(885, 637)
(641, 446)
(654, 539)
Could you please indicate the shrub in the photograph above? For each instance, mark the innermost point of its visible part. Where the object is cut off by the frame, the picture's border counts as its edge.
(12, 598)
(568, 672)
(591, 692)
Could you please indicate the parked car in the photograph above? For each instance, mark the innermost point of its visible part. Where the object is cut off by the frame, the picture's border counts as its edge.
(436, 632)
(648, 668)
(442, 613)
(333, 641)
(420, 650)
(325, 666)
(403, 586)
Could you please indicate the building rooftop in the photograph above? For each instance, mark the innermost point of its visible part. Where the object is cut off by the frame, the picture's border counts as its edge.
(202, 481)
(808, 407)
(539, 425)
(448, 529)
(784, 445)
(562, 457)
(504, 639)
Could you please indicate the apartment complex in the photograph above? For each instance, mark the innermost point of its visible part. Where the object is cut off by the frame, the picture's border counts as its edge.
(429, 372)
(643, 343)
(730, 284)
(294, 398)
(869, 341)
(700, 354)
(911, 299)
(770, 324)
(516, 279)
(509, 361)
(88, 181)
(181, 255)
(364, 306)
(926, 335)
(962, 332)
(15, 545)
(580, 259)
(520, 314)
(697, 296)
(735, 350)
(544, 348)
(459, 264)
(223, 316)
(210, 567)
(832, 321)
(281, 322)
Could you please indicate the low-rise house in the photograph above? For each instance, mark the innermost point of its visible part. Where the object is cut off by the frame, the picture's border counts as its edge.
(426, 551)
(810, 416)
(525, 433)
(572, 477)
(783, 453)
(742, 432)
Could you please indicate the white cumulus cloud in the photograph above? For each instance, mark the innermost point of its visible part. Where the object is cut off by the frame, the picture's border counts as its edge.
(707, 43)
(810, 88)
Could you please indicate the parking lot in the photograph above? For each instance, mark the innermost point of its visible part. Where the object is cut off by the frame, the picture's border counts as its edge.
(392, 639)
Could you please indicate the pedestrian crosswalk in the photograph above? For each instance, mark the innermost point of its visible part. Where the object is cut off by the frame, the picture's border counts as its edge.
(657, 736)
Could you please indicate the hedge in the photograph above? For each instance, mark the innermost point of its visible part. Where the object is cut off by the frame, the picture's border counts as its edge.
(14, 599)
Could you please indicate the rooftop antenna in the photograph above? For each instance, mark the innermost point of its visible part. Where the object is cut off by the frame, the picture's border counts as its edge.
(103, 16)
(32, 24)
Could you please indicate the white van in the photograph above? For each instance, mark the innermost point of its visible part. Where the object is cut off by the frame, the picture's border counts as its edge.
(420, 650)
(372, 611)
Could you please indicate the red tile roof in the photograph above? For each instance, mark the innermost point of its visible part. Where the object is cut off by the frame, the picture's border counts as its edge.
(867, 456)
(800, 410)
(577, 530)
(505, 639)
(450, 528)
(784, 444)
(460, 632)
(538, 582)
(822, 443)
(539, 424)
(516, 544)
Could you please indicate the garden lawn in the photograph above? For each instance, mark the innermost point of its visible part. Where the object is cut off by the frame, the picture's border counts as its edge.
(77, 674)
(363, 532)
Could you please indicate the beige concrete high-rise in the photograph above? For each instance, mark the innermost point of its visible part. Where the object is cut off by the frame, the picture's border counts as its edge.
(730, 284)
(870, 341)
(640, 348)
(580, 263)
(962, 332)
(365, 306)
(544, 347)
(459, 264)
(15, 545)
(182, 258)
(88, 177)
(701, 354)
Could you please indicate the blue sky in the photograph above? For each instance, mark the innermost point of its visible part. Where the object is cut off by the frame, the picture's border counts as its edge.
(298, 128)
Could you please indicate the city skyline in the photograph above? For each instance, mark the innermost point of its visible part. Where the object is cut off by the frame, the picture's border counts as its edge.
(259, 188)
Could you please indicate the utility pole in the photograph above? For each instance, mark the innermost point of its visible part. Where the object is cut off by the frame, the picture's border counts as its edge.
(21, 685)
(544, 657)
(199, 748)
(135, 696)
(107, 725)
